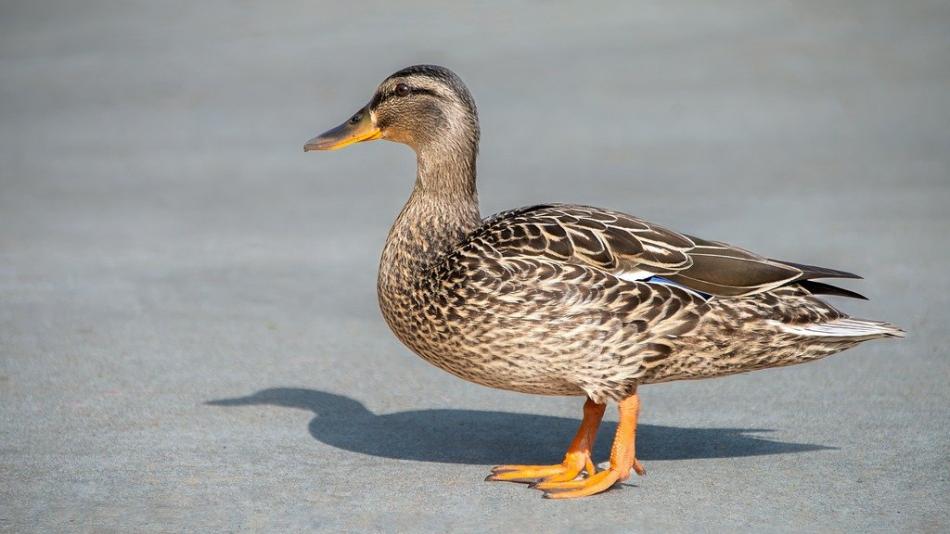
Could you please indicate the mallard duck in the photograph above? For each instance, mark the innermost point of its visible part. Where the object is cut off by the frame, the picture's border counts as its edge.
(558, 299)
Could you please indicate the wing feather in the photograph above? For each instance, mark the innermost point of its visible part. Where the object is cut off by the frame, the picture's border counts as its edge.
(626, 246)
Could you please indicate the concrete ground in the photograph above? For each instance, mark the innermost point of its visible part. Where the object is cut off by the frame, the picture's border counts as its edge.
(189, 338)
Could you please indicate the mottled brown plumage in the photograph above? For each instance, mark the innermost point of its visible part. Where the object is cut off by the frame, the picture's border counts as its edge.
(572, 300)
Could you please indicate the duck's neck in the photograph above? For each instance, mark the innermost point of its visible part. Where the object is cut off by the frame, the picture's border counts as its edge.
(441, 211)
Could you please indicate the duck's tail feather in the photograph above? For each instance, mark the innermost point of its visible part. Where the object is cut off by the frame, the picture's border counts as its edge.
(846, 328)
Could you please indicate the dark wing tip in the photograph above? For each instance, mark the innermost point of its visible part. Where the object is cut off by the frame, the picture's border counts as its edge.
(813, 271)
(820, 288)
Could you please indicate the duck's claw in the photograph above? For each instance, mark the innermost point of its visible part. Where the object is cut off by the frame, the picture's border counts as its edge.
(638, 468)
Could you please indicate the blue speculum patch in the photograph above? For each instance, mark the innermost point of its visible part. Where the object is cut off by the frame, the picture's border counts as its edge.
(666, 281)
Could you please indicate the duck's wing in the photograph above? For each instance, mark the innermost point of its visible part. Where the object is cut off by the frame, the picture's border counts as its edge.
(634, 249)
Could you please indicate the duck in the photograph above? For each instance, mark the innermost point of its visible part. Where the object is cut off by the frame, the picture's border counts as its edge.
(572, 300)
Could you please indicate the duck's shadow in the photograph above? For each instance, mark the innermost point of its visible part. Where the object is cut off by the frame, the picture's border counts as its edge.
(482, 437)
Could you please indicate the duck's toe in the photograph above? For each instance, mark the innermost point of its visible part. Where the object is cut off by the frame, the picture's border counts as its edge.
(572, 466)
(573, 489)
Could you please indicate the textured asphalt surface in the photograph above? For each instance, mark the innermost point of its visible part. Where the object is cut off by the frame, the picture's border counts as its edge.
(189, 338)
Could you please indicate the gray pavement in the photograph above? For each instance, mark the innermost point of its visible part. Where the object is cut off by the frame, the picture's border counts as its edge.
(189, 338)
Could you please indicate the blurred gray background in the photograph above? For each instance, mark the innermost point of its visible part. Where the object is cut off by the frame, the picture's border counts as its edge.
(165, 243)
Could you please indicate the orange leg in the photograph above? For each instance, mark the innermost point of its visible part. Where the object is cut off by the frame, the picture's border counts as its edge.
(576, 460)
(622, 460)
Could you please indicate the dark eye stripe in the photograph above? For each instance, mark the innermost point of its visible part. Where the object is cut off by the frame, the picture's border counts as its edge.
(379, 99)
(423, 91)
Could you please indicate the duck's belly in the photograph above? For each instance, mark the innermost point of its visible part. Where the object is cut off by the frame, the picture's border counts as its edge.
(513, 371)
(504, 364)
(538, 357)
(510, 357)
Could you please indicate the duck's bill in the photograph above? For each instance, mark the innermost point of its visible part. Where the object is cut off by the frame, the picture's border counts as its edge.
(359, 128)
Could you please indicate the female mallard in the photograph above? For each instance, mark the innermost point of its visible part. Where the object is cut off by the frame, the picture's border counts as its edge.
(560, 299)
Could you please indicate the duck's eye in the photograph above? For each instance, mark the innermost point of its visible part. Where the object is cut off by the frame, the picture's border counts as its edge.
(402, 89)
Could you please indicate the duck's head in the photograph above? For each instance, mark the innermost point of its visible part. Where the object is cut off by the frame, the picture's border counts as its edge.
(425, 106)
